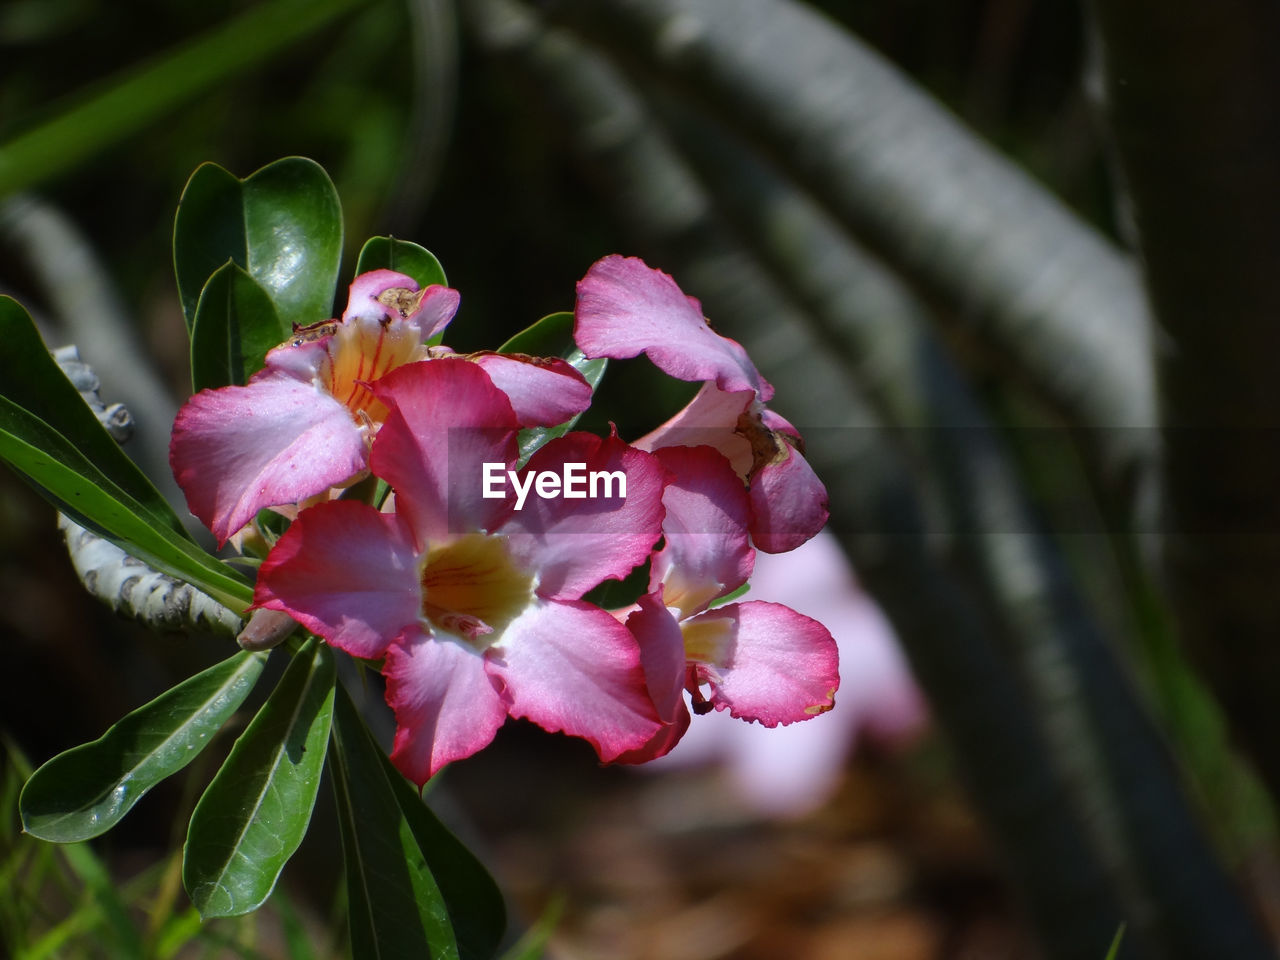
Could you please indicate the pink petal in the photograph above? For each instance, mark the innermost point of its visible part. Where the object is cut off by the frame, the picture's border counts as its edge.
(662, 656)
(709, 419)
(573, 668)
(430, 312)
(575, 544)
(788, 502)
(625, 308)
(274, 441)
(447, 420)
(445, 704)
(346, 572)
(706, 552)
(764, 661)
(543, 391)
(305, 360)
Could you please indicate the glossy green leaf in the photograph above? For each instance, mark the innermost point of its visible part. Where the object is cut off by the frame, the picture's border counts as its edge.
(395, 907)
(235, 325)
(85, 791)
(254, 814)
(476, 908)
(66, 478)
(31, 380)
(282, 224)
(552, 336)
(403, 256)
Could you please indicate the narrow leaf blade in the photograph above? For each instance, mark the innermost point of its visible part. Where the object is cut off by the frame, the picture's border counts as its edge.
(31, 380)
(476, 908)
(86, 790)
(57, 469)
(394, 904)
(254, 814)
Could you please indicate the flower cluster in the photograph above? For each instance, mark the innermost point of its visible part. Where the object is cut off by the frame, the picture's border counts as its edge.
(474, 602)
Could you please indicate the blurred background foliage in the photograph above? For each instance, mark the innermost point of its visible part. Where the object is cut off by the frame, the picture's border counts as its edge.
(940, 281)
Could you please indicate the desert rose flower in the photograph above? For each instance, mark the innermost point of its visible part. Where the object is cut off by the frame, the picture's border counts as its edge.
(475, 607)
(760, 661)
(304, 423)
(626, 308)
(793, 770)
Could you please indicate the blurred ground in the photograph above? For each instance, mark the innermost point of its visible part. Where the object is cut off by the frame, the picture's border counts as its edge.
(675, 867)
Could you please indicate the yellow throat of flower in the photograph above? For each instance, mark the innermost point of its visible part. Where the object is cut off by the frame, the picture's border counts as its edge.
(361, 352)
(472, 590)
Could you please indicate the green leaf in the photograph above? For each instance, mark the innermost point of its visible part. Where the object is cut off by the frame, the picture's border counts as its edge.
(395, 907)
(254, 814)
(58, 470)
(32, 380)
(476, 908)
(1114, 951)
(388, 253)
(283, 224)
(533, 944)
(552, 336)
(119, 108)
(85, 791)
(235, 325)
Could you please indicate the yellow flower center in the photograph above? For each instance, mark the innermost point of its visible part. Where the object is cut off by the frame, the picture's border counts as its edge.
(709, 639)
(471, 589)
(360, 352)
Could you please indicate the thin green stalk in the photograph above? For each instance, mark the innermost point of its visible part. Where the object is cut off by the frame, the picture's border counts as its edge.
(119, 108)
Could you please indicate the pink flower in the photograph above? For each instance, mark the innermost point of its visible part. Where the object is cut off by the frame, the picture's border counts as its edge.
(304, 423)
(475, 606)
(626, 308)
(792, 771)
(760, 661)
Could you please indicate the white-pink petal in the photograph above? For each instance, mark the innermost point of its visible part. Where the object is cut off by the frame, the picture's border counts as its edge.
(446, 706)
(447, 420)
(544, 391)
(346, 572)
(430, 312)
(709, 419)
(575, 544)
(706, 552)
(273, 441)
(625, 308)
(571, 667)
(771, 664)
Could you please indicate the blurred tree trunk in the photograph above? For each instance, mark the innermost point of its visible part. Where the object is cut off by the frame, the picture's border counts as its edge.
(1194, 101)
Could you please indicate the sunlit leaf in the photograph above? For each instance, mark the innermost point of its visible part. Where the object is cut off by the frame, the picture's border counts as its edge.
(235, 325)
(282, 224)
(552, 336)
(254, 814)
(87, 790)
(31, 379)
(63, 476)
